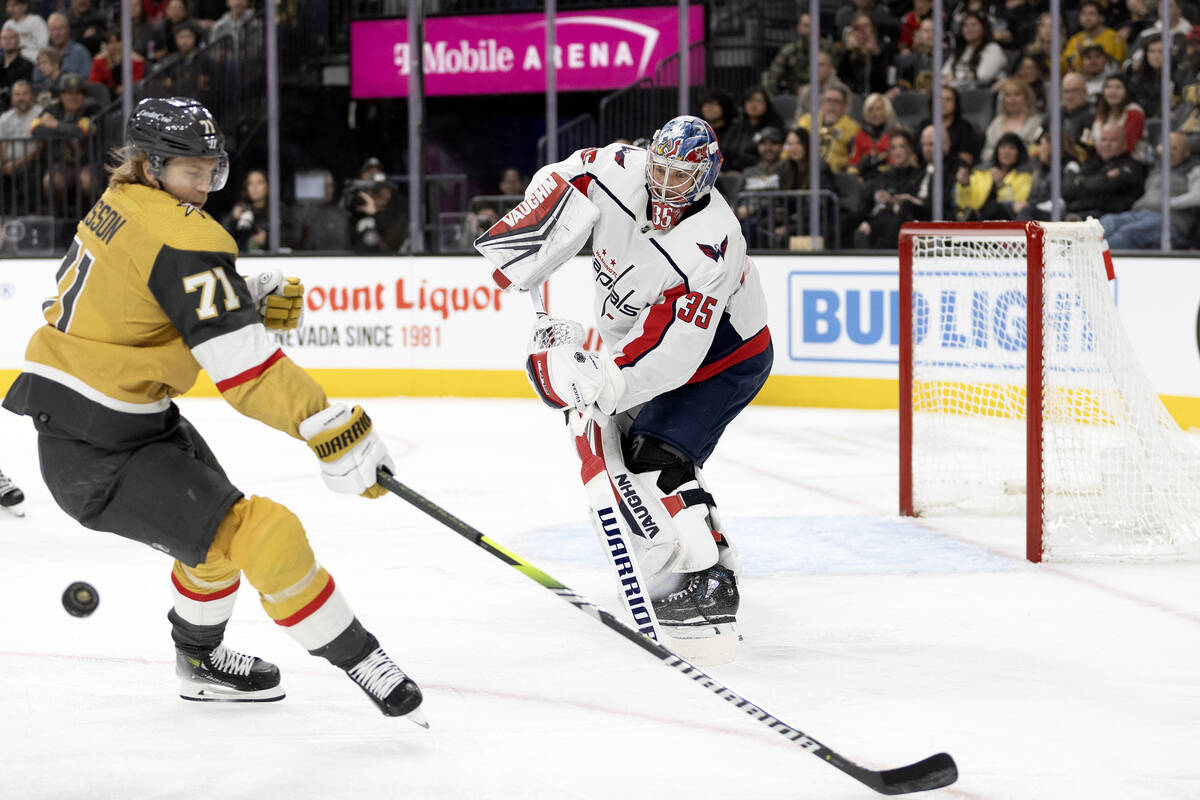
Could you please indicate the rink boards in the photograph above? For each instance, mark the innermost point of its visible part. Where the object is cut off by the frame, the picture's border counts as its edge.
(437, 326)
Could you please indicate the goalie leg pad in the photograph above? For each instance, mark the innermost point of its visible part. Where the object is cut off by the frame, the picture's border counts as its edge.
(696, 602)
(726, 549)
(666, 503)
(593, 438)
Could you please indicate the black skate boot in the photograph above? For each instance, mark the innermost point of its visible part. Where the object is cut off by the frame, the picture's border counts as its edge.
(699, 619)
(225, 675)
(709, 597)
(12, 499)
(393, 692)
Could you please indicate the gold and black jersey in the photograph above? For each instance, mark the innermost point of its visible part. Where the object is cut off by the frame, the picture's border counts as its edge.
(148, 294)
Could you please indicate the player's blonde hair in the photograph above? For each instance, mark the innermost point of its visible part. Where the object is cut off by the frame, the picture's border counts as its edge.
(127, 166)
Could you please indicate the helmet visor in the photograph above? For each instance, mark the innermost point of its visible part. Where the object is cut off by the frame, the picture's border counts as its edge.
(220, 173)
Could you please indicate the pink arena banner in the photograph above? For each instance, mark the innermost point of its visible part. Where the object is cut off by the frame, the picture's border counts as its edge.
(505, 53)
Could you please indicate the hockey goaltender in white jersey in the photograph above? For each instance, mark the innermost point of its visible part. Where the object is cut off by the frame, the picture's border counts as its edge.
(673, 306)
(683, 318)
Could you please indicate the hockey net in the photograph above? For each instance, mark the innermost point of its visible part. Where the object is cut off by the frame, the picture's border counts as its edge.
(1090, 457)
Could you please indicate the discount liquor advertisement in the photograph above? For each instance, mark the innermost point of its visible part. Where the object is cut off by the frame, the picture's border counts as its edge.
(439, 326)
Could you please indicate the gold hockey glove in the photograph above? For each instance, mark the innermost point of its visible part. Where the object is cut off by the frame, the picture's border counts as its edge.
(283, 308)
(280, 300)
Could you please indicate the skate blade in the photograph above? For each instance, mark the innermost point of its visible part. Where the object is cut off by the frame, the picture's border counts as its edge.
(417, 717)
(17, 511)
(703, 645)
(209, 693)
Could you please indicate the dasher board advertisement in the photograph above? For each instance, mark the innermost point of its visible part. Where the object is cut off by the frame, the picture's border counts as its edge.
(439, 326)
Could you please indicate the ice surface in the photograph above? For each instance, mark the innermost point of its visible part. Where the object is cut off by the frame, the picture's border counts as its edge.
(886, 639)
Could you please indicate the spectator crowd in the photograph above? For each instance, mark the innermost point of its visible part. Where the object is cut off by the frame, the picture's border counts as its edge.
(60, 63)
(873, 83)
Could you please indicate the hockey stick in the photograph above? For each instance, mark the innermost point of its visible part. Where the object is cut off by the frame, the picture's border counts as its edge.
(931, 773)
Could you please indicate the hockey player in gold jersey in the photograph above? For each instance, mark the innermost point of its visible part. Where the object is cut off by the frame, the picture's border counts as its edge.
(148, 294)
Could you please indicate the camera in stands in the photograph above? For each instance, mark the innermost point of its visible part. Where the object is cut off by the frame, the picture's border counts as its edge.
(27, 236)
(352, 187)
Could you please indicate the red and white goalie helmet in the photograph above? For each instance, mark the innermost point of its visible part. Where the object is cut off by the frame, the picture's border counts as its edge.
(681, 168)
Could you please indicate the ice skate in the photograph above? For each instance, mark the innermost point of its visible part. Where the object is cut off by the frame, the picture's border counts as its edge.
(224, 675)
(12, 499)
(699, 619)
(393, 692)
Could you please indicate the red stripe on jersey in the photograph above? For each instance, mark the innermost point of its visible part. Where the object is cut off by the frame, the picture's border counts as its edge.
(657, 320)
(204, 598)
(749, 348)
(250, 374)
(582, 182)
(311, 607)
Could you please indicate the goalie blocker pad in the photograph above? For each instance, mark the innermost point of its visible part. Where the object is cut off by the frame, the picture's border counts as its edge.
(539, 235)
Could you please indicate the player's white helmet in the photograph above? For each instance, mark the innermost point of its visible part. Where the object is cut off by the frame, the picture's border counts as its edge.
(681, 168)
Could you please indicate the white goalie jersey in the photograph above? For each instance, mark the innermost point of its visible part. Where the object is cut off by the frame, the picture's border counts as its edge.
(675, 306)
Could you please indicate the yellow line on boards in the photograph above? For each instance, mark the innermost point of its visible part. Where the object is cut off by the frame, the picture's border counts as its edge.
(780, 390)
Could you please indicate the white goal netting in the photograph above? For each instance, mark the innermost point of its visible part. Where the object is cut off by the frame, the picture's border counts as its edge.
(1121, 480)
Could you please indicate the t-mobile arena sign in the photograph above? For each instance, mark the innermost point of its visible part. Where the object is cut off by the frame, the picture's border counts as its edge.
(505, 53)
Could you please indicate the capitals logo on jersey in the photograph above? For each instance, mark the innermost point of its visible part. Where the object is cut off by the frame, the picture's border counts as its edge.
(619, 156)
(714, 251)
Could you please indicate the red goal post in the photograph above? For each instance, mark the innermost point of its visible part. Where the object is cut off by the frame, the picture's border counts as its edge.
(1020, 394)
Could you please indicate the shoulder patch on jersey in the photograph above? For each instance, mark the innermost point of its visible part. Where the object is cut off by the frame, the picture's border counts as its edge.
(189, 209)
(714, 251)
(619, 156)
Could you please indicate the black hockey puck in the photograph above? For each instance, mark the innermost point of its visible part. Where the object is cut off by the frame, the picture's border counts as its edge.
(80, 599)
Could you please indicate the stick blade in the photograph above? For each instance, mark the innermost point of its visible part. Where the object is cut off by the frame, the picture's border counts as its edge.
(932, 773)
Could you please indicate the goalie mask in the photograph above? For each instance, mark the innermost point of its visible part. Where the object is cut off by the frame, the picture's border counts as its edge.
(174, 127)
(681, 167)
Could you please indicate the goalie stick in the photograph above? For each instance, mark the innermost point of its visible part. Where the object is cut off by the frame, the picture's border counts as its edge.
(933, 772)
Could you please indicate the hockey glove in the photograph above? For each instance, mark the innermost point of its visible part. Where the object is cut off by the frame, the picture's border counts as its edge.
(567, 377)
(350, 450)
(280, 300)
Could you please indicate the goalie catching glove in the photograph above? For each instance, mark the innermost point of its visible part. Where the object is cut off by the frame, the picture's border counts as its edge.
(280, 300)
(350, 451)
(567, 377)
